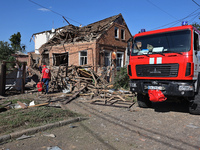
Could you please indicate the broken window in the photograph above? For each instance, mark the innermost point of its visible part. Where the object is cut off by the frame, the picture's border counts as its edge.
(107, 59)
(59, 59)
(83, 57)
(122, 34)
(116, 32)
(120, 56)
(45, 59)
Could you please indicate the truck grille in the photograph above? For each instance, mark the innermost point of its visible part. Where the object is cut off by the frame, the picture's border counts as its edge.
(157, 70)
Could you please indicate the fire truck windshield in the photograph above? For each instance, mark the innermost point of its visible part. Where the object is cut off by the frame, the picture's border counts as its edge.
(168, 42)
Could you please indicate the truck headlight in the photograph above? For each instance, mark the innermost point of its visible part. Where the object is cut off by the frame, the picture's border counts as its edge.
(185, 88)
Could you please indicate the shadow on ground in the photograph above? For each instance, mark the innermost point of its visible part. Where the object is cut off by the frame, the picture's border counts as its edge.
(167, 106)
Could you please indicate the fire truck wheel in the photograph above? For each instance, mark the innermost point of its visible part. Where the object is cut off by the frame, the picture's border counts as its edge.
(194, 104)
(143, 100)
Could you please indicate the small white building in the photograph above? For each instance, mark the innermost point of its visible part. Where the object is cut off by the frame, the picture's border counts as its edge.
(43, 37)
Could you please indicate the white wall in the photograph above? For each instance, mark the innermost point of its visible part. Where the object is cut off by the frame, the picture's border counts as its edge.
(42, 38)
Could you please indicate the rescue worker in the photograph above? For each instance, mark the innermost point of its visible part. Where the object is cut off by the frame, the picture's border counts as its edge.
(46, 77)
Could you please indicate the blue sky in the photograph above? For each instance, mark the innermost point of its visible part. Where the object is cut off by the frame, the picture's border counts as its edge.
(28, 18)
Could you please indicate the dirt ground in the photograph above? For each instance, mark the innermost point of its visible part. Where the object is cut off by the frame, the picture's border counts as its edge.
(167, 126)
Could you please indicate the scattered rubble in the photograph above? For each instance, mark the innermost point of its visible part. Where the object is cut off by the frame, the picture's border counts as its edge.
(49, 135)
(75, 81)
(24, 137)
(53, 148)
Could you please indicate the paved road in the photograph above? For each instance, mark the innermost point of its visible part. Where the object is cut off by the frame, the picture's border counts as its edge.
(166, 126)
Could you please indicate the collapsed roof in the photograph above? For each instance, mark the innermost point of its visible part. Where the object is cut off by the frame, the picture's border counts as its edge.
(72, 34)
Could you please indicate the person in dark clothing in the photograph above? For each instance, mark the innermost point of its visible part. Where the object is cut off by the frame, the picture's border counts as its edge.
(40, 68)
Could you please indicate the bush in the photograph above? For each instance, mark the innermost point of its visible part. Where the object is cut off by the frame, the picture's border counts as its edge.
(122, 79)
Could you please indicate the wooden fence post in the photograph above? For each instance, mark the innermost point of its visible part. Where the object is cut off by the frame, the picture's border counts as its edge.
(3, 79)
(23, 77)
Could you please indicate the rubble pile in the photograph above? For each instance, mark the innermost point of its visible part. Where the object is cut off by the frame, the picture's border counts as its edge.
(76, 77)
(83, 81)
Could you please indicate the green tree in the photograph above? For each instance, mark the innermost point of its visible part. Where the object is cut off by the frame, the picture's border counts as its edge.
(15, 40)
(122, 79)
(196, 25)
(6, 51)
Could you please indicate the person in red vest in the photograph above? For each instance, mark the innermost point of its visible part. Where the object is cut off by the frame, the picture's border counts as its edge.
(46, 77)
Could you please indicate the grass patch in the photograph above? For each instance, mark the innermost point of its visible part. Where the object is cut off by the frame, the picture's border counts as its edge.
(18, 119)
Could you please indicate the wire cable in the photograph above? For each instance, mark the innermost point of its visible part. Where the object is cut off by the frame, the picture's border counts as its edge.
(194, 17)
(179, 20)
(196, 2)
(161, 9)
(55, 12)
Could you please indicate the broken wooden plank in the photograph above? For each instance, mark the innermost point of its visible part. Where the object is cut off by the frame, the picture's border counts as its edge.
(121, 98)
(5, 105)
(83, 78)
(75, 95)
(95, 80)
(43, 104)
(110, 98)
(84, 73)
(22, 105)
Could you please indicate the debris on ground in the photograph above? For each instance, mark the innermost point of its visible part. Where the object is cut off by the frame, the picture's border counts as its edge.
(49, 135)
(24, 137)
(75, 81)
(53, 148)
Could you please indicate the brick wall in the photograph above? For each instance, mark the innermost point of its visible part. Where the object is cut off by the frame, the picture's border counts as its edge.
(109, 42)
(94, 48)
(74, 50)
(109, 37)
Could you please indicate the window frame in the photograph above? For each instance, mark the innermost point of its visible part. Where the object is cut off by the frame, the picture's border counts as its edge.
(122, 60)
(83, 57)
(123, 34)
(116, 36)
(109, 57)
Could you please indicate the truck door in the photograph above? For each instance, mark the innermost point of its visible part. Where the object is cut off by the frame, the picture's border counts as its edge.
(196, 57)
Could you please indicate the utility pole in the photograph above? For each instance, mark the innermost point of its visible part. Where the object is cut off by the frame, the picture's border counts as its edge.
(66, 20)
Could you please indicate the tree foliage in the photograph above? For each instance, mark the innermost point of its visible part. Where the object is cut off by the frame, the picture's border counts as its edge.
(122, 79)
(196, 25)
(15, 40)
(6, 51)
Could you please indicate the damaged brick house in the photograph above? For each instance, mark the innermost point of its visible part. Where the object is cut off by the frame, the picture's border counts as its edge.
(95, 44)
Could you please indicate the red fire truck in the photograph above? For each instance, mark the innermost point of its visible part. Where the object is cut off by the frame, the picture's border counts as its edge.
(164, 64)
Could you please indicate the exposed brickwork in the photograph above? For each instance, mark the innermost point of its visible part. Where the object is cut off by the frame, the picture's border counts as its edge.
(96, 47)
(74, 50)
(106, 42)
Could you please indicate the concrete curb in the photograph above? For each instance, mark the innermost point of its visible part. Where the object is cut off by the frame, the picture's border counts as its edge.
(40, 128)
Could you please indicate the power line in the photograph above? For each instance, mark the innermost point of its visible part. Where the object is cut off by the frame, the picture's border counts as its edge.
(55, 12)
(196, 2)
(179, 20)
(161, 9)
(194, 17)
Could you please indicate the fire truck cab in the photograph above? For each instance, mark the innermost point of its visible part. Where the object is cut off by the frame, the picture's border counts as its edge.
(164, 64)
